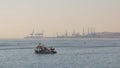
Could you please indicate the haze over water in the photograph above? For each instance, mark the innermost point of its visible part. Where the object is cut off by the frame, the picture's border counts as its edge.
(19, 17)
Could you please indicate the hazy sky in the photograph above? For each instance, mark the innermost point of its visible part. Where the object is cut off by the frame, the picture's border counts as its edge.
(19, 17)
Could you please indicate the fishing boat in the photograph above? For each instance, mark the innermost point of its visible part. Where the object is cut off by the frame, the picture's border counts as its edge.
(41, 49)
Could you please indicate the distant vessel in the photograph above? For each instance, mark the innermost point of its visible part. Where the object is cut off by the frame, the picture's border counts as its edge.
(41, 49)
(35, 35)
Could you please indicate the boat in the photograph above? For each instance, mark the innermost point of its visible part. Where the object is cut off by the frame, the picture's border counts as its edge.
(41, 49)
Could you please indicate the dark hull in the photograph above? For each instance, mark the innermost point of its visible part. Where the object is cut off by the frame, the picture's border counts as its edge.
(42, 52)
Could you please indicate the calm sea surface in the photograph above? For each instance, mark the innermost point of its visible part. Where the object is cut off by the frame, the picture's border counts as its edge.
(72, 53)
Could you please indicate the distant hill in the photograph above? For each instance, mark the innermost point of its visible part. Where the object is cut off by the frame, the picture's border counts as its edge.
(108, 35)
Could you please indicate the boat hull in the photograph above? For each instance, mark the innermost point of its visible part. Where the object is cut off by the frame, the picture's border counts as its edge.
(42, 52)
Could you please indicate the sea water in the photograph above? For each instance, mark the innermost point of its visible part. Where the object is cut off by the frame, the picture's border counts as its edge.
(71, 53)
